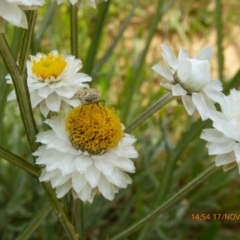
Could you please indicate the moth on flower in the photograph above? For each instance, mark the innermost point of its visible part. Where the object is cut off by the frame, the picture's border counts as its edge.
(189, 79)
(86, 157)
(91, 96)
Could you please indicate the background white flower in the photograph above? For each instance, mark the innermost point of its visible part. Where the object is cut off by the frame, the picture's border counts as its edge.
(52, 80)
(224, 138)
(12, 11)
(86, 174)
(189, 79)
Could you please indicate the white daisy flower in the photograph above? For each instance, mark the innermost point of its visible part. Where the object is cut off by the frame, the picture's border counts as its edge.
(87, 153)
(79, 3)
(224, 138)
(52, 80)
(189, 79)
(12, 11)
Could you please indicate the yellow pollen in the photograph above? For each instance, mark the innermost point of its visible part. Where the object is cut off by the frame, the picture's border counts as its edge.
(93, 128)
(48, 66)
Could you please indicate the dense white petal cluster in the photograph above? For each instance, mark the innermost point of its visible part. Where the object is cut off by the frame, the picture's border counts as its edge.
(224, 138)
(12, 11)
(189, 79)
(67, 168)
(54, 93)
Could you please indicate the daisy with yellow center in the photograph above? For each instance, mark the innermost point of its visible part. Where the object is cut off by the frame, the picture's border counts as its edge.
(87, 153)
(52, 80)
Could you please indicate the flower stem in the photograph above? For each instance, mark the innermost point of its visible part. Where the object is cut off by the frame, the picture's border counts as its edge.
(150, 111)
(35, 222)
(27, 38)
(19, 162)
(168, 203)
(218, 23)
(59, 209)
(21, 93)
(74, 29)
(78, 217)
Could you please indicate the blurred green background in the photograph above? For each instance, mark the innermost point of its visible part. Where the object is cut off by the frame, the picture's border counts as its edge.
(170, 151)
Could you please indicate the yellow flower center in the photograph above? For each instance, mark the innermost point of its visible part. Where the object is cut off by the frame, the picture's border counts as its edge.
(93, 128)
(48, 66)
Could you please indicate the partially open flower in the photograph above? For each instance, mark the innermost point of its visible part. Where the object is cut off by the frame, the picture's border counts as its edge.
(87, 153)
(12, 11)
(52, 80)
(224, 138)
(189, 79)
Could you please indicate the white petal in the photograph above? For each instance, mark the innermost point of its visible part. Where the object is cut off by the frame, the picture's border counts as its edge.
(35, 99)
(221, 148)
(63, 189)
(11, 96)
(123, 164)
(53, 102)
(229, 129)
(103, 166)
(213, 92)
(44, 109)
(105, 188)
(13, 14)
(205, 54)
(65, 91)
(212, 135)
(188, 104)
(202, 105)
(169, 57)
(82, 163)
(184, 70)
(224, 159)
(177, 90)
(237, 152)
(85, 193)
(78, 181)
(44, 92)
(60, 180)
(119, 178)
(163, 72)
(199, 76)
(92, 175)
(182, 55)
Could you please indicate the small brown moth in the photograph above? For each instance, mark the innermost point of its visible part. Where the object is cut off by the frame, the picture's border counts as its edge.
(90, 96)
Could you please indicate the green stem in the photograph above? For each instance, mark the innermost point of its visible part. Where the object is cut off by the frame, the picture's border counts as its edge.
(81, 223)
(19, 162)
(35, 222)
(59, 209)
(219, 39)
(26, 43)
(141, 60)
(96, 36)
(167, 204)
(21, 93)
(78, 217)
(74, 29)
(150, 111)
